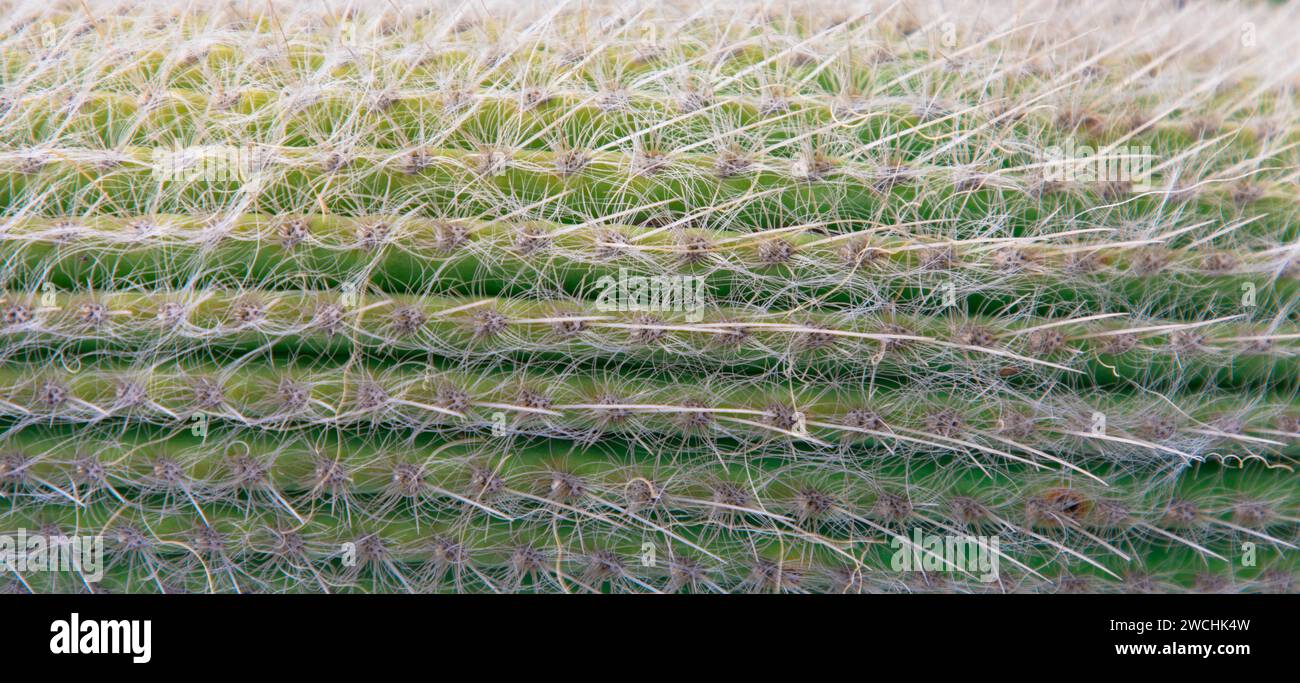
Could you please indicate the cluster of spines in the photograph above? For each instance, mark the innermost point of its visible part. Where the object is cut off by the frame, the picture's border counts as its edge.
(892, 272)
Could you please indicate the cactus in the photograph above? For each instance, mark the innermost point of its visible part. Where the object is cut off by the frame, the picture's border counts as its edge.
(459, 298)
